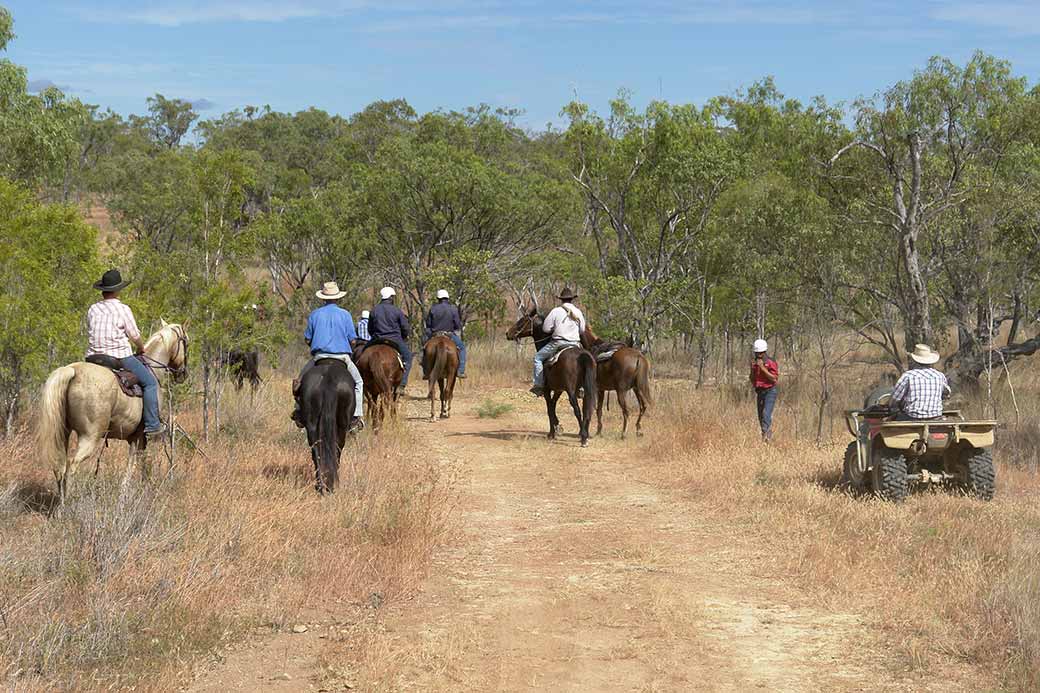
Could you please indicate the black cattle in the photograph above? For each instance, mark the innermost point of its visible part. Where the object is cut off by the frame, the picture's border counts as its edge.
(243, 365)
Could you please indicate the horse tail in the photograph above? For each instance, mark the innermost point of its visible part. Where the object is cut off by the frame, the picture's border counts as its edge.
(588, 366)
(328, 435)
(440, 364)
(643, 379)
(52, 430)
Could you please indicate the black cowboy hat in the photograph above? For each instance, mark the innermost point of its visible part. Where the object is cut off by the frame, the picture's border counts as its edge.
(567, 295)
(111, 280)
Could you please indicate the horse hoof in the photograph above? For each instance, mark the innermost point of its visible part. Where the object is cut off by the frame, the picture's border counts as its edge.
(585, 443)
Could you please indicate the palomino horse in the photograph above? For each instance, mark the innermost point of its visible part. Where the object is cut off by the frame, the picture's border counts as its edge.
(573, 369)
(381, 369)
(326, 404)
(628, 369)
(86, 398)
(441, 363)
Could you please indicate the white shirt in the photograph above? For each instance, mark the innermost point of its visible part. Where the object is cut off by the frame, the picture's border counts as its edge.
(565, 323)
(110, 327)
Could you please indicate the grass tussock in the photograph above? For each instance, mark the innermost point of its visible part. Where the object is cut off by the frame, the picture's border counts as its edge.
(124, 586)
(490, 409)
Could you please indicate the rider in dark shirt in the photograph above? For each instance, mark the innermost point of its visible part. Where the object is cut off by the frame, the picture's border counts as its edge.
(444, 317)
(389, 323)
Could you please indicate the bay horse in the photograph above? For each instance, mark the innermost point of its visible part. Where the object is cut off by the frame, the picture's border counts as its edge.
(326, 405)
(441, 364)
(382, 370)
(86, 398)
(575, 368)
(628, 369)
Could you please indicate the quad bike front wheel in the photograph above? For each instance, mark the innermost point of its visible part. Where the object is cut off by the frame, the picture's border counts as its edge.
(851, 477)
(977, 476)
(890, 479)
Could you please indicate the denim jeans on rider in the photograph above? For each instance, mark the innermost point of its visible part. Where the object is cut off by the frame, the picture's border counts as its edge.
(766, 402)
(151, 392)
(406, 357)
(543, 355)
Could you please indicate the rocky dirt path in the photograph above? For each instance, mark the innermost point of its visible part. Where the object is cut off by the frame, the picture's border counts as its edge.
(569, 574)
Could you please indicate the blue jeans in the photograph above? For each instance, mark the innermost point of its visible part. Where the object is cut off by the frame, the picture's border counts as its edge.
(406, 356)
(462, 350)
(151, 392)
(543, 355)
(766, 402)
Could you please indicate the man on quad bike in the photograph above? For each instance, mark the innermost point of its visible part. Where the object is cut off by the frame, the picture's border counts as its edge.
(920, 391)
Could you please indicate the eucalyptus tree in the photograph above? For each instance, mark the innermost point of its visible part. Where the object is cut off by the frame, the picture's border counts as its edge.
(909, 164)
(650, 182)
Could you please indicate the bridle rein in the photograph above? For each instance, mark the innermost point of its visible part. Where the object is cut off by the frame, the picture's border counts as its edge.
(181, 348)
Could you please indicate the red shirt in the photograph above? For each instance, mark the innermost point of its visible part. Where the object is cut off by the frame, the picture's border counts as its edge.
(760, 381)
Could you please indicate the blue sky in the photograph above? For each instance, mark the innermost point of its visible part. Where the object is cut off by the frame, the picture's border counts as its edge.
(340, 55)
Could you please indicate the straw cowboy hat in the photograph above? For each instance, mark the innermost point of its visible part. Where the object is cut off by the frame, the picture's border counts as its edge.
(924, 355)
(111, 281)
(567, 295)
(330, 292)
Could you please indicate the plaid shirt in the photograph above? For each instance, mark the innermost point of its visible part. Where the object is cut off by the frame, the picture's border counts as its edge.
(920, 392)
(362, 330)
(110, 327)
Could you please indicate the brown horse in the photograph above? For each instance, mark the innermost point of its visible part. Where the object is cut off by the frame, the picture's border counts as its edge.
(87, 399)
(381, 369)
(575, 368)
(628, 369)
(441, 364)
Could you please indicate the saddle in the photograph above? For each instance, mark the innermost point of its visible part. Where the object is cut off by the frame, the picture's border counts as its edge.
(376, 341)
(128, 382)
(441, 333)
(605, 351)
(556, 357)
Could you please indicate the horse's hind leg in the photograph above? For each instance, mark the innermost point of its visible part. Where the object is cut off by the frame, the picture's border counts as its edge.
(642, 410)
(599, 411)
(550, 407)
(583, 429)
(622, 398)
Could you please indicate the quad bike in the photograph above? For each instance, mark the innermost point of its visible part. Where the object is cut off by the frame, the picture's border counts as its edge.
(888, 457)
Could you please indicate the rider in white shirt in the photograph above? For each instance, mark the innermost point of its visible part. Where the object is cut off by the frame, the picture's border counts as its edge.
(565, 323)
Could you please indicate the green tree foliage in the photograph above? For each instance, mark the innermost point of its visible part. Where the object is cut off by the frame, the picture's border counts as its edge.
(47, 264)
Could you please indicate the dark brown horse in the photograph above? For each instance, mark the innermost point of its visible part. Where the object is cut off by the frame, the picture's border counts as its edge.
(326, 403)
(381, 369)
(628, 369)
(441, 364)
(575, 368)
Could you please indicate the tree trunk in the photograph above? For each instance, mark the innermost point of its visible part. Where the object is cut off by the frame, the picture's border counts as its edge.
(205, 397)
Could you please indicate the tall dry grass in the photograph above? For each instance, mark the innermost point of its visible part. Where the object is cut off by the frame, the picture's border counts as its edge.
(126, 587)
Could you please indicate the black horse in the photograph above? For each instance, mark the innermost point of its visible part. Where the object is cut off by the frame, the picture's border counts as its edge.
(326, 405)
(575, 368)
(243, 365)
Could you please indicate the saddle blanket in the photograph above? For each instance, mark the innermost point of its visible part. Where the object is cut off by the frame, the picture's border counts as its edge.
(556, 357)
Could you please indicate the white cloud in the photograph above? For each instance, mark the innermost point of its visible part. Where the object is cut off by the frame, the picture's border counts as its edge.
(1013, 17)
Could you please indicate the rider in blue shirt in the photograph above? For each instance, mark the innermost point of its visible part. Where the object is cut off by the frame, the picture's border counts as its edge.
(330, 330)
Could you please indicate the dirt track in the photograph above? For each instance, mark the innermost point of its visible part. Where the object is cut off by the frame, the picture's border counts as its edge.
(569, 573)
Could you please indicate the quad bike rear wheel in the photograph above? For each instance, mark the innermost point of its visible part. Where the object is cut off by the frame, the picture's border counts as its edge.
(889, 475)
(851, 477)
(977, 476)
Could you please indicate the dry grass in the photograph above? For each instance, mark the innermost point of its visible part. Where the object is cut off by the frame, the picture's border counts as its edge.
(942, 575)
(126, 589)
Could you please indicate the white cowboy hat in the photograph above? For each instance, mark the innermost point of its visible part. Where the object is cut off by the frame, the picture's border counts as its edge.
(924, 355)
(330, 292)
(760, 346)
(442, 293)
(387, 292)
(364, 314)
